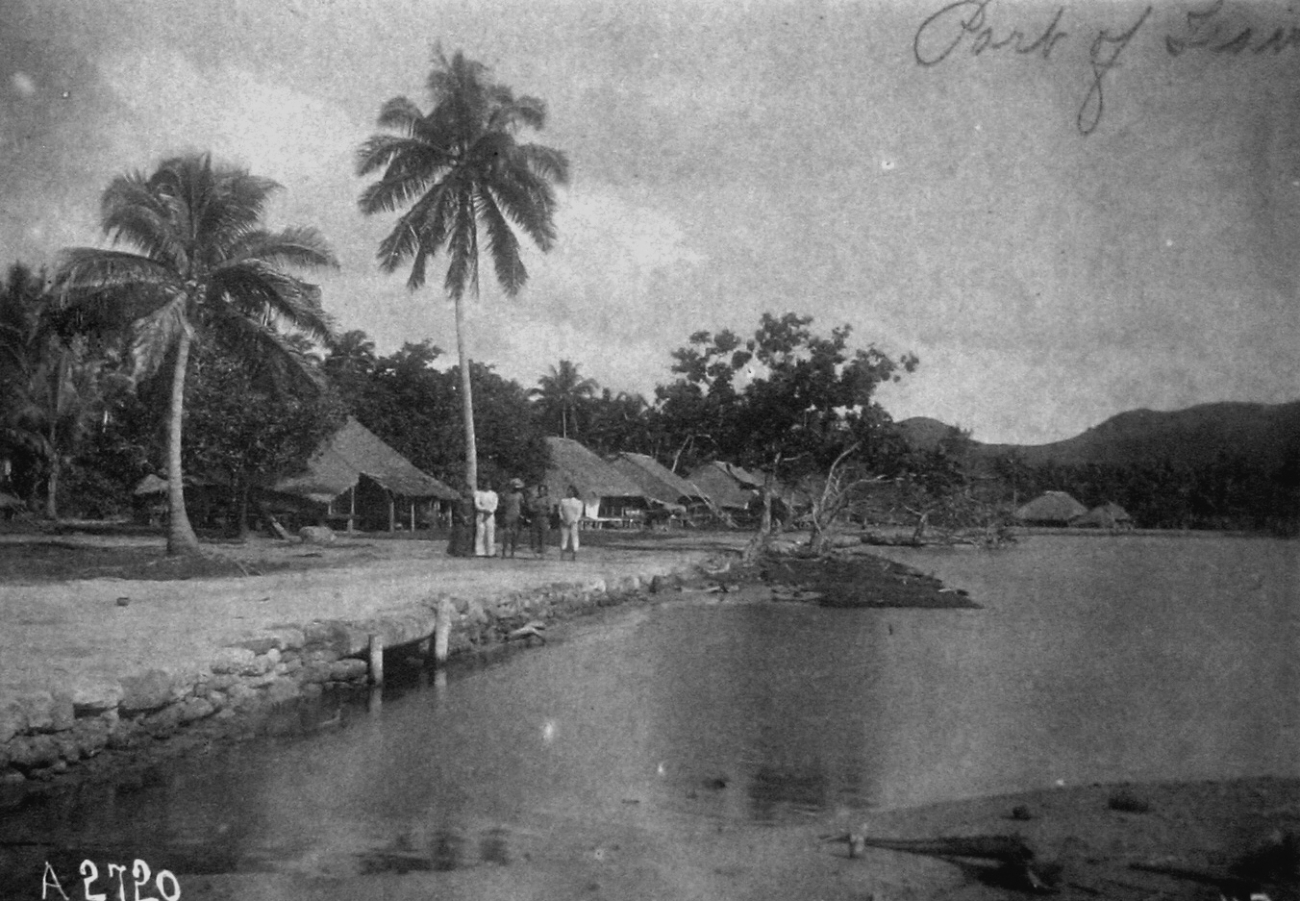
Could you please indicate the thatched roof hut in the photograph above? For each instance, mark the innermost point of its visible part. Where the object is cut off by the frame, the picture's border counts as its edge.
(658, 482)
(150, 484)
(605, 490)
(351, 453)
(1109, 515)
(1054, 508)
(729, 486)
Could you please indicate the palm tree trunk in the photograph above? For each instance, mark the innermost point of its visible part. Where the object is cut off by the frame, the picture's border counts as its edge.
(467, 402)
(180, 535)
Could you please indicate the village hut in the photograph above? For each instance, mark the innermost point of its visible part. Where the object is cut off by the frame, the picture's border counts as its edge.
(1054, 508)
(1109, 515)
(658, 482)
(10, 505)
(609, 495)
(729, 486)
(354, 477)
(668, 493)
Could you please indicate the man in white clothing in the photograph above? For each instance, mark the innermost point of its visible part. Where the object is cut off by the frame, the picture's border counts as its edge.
(485, 521)
(571, 509)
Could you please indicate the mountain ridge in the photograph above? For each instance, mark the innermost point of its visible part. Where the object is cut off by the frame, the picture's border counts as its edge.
(1265, 434)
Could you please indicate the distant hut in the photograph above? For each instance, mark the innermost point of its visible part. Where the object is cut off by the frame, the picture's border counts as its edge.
(10, 505)
(1109, 515)
(607, 493)
(667, 492)
(355, 476)
(1054, 508)
(729, 486)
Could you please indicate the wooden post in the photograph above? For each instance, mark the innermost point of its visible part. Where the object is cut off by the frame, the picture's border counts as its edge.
(392, 512)
(376, 660)
(412, 516)
(442, 632)
(352, 511)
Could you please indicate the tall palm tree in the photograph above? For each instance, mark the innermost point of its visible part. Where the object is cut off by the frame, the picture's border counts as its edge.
(564, 390)
(203, 264)
(460, 166)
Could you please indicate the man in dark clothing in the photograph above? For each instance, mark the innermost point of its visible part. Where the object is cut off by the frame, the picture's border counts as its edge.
(512, 506)
(539, 519)
(462, 525)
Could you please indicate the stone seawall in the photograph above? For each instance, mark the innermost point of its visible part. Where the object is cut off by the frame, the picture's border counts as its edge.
(44, 733)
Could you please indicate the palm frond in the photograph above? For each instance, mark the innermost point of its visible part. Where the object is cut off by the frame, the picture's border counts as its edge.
(156, 334)
(380, 151)
(131, 212)
(303, 247)
(400, 114)
(511, 113)
(530, 204)
(262, 346)
(234, 208)
(462, 250)
(502, 245)
(397, 188)
(545, 162)
(423, 227)
(258, 291)
(93, 269)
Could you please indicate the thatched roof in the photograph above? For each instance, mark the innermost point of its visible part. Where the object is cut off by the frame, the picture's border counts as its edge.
(1053, 507)
(352, 452)
(573, 464)
(1106, 516)
(657, 482)
(151, 484)
(726, 484)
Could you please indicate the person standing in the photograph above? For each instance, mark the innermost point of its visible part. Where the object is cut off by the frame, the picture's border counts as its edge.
(571, 510)
(462, 525)
(512, 508)
(539, 519)
(485, 528)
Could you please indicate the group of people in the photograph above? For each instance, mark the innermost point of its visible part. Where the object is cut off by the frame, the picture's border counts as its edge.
(476, 514)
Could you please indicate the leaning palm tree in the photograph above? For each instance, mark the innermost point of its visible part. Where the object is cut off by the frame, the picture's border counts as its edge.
(203, 265)
(460, 166)
(564, 390)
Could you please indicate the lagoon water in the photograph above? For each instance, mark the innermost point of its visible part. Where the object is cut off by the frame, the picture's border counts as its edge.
(1094, 659)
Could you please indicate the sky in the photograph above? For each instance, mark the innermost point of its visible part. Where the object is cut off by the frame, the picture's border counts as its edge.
(1065, 210)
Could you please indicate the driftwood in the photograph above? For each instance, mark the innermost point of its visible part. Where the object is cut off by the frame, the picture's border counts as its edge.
(527, 632)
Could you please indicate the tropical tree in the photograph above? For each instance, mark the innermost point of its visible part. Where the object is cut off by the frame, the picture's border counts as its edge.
(806, 405)
(202, 263)
(461, 166)
(251, 427)
(561, 394)
(53, 380)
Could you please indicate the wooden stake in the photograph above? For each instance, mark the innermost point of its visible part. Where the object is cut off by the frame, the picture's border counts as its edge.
(442, 632)
(376, 660)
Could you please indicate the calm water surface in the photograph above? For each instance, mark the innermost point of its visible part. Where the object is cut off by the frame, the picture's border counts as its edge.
(1094, 659)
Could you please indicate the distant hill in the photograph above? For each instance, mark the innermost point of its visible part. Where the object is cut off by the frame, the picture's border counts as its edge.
(1266, 434)
(922, 432)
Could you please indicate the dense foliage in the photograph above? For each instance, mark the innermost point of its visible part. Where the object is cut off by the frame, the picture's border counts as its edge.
(201, 268)
(409, 402)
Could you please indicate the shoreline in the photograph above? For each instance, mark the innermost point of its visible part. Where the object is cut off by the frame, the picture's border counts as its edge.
(99, 671)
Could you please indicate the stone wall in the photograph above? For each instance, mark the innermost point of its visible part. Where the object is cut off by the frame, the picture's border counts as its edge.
(42, 734)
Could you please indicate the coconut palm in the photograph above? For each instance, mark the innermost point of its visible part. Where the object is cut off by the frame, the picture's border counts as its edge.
(563, 390)
(458, 167)
(203, 264)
